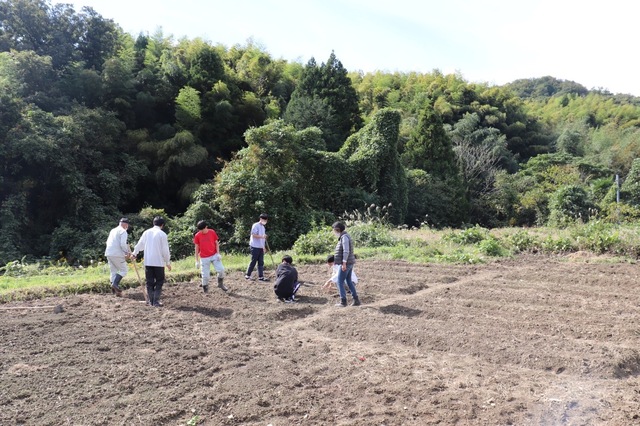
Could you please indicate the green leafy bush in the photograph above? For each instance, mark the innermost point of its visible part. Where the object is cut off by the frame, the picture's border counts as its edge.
(458, 256)
(596, 236)
(557, 245)
(317, 241)
(522, 241)
(491, 246)
(569, 204)
(467, 236)
(371, 235)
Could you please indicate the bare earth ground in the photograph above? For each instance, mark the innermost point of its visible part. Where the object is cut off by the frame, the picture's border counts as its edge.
(530, 341)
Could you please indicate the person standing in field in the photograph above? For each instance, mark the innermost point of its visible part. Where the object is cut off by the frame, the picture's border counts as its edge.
(117, 252)
(208, 252)
(257, 243)
(345, 258)
(155, 245)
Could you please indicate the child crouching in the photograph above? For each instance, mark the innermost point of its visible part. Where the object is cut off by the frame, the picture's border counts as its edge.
(335, 270)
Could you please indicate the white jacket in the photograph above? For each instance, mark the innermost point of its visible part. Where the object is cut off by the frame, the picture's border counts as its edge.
(117, 243)
(155, 246)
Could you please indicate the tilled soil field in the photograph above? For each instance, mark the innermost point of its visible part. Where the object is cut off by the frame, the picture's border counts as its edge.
(530, 341)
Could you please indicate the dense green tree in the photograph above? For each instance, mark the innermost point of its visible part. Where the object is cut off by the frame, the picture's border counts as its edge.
(66, 170)
(98, 40)
(373, 154)
(572, 140)
(569, 204)
(431, 201)
(546, 87)
(178, 164)
(205, 68)
(58, 32)
(480, 153)
(311, 111)
(630, 189)
(188, 114)
(271, 175)
(530, 190)
(430, 148)
(329, 90)
(118, 86)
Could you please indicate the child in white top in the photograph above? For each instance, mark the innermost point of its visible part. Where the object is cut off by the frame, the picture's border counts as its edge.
(335, 270)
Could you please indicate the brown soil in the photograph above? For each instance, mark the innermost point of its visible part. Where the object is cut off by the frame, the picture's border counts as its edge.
(531, 341)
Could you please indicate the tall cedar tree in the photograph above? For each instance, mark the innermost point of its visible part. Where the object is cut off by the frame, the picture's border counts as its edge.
(430, 148)
(330, 85)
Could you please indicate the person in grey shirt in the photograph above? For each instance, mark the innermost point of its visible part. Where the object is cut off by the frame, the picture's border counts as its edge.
(345, 259)
(257, 243)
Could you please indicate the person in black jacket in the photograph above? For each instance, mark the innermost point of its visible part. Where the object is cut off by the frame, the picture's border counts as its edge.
(286, 284)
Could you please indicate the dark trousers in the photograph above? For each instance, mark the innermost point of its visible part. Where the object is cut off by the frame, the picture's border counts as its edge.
(257, 256)
(286, 293)
(155, 278)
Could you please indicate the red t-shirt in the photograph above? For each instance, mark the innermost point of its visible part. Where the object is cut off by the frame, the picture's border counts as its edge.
(207, 242)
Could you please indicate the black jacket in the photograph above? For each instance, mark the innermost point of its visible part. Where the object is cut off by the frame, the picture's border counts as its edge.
(286, 277)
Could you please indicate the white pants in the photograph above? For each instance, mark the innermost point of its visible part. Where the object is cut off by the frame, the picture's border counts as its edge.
(205, 264)
(117, 265)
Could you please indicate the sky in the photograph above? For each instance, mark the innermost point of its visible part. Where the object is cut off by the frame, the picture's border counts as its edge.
(486, 41)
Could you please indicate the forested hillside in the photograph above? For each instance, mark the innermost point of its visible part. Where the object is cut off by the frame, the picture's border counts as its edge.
(96, 123)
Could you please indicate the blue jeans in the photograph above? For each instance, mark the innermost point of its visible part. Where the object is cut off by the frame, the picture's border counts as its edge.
(346, 276)
(257, 256)
(205, 263)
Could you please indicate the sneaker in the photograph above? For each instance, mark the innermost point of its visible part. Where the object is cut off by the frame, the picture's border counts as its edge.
(290, 300)
(263, 279)
(205, 288)
(247, 277)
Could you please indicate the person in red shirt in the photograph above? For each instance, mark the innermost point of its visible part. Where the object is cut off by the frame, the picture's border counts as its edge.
(208, 252)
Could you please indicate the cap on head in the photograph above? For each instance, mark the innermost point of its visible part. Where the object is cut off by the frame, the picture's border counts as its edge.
(124, 220)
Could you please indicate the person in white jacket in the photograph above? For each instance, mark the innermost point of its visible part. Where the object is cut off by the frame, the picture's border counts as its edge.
(155, 245)
(117, 252)
(335, 271)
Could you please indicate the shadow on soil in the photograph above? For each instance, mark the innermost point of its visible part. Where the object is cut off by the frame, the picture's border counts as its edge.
(400, 310)
(210, 312)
